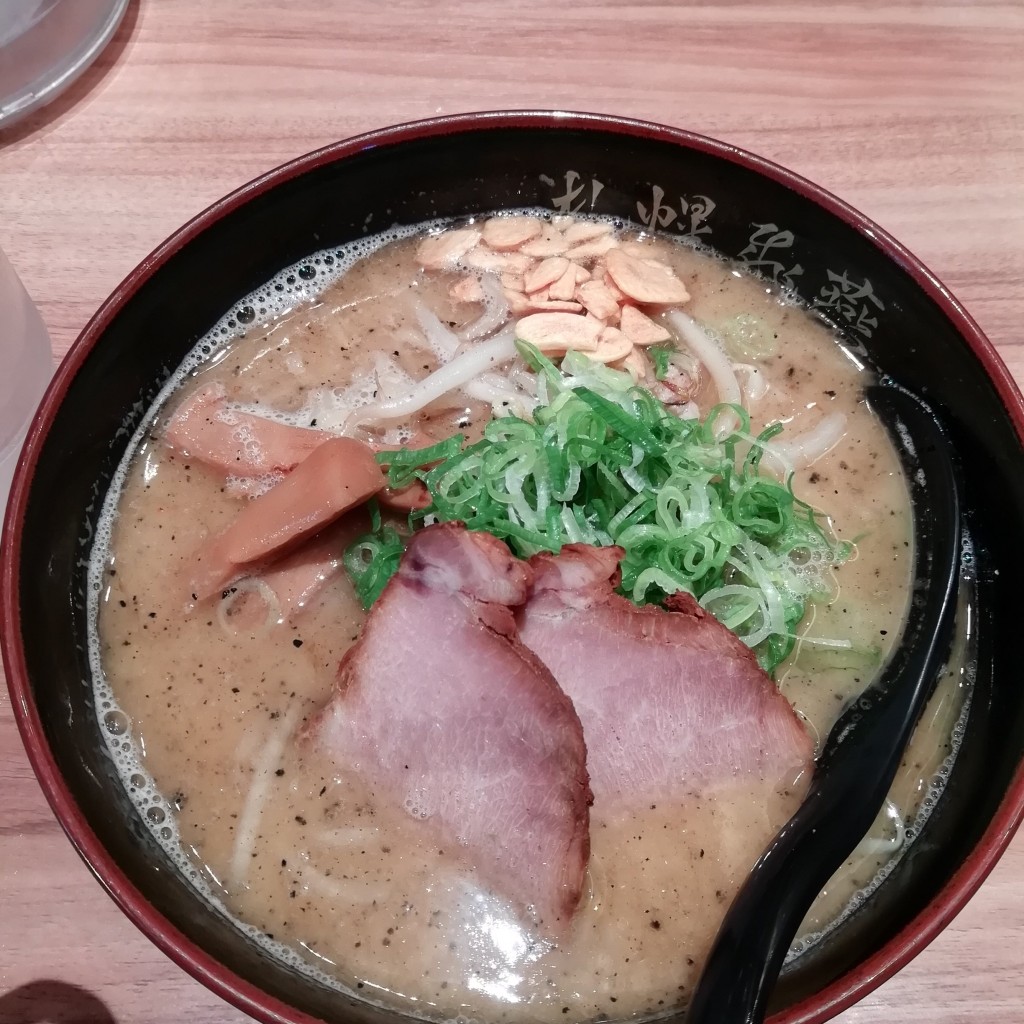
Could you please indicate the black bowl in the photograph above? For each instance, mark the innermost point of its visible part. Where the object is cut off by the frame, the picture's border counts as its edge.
(893, 313)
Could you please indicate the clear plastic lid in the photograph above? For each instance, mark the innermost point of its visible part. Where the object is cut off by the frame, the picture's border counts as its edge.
(45, 45)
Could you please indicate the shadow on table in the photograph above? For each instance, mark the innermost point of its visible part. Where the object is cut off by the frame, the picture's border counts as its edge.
(52, 1002)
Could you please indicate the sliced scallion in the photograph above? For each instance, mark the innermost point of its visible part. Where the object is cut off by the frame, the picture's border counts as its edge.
(604, 462)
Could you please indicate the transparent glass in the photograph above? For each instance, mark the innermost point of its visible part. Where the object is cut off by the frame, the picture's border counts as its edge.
(26, 363)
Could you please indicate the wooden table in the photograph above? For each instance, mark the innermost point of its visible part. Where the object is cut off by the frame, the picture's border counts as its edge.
(911, 111)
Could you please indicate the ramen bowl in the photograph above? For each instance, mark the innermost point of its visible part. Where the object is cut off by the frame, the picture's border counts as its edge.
(892, 313)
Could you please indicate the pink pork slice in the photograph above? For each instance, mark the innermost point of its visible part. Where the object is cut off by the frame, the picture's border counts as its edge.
(671, 702)
(441, 704)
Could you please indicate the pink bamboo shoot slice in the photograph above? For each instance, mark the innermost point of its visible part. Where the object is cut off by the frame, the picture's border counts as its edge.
(205, 428)
(337, 476)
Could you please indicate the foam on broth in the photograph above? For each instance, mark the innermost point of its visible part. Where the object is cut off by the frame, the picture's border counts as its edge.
(200, 710)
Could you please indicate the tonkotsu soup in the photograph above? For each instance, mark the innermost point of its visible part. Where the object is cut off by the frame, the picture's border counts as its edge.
(225, 601)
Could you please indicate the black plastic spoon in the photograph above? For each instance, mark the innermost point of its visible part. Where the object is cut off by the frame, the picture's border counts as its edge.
(864, 749)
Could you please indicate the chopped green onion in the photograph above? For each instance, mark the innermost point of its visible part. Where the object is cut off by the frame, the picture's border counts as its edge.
(403, 463)
(539, 363)
(604, 462)
(372, 560)
(631, 427)
(660, 356)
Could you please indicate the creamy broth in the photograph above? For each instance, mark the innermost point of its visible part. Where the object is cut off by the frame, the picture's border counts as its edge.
(209, 705)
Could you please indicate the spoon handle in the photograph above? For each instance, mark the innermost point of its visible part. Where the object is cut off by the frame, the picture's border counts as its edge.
(863, 751)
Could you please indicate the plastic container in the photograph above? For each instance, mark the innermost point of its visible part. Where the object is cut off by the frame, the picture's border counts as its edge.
(45, 45)
(26, 363)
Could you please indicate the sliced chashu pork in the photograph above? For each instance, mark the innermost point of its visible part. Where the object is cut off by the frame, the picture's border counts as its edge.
(671, 701)
(440, 704)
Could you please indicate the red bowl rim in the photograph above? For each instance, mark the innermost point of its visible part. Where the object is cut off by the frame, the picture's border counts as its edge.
(831, 1000)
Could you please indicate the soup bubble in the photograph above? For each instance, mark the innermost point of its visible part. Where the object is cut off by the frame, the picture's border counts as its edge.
(116, 722)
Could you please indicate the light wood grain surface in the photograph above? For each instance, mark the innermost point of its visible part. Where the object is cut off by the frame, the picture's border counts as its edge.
(912, 112)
